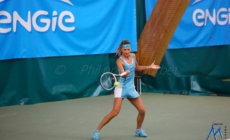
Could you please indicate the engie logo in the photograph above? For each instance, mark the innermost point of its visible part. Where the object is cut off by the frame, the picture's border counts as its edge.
(215, 16)
(40, 20)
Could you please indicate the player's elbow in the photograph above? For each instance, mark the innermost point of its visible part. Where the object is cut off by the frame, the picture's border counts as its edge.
(138, 68)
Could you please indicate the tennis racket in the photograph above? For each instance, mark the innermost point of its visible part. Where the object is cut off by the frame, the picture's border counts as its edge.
(109, 80)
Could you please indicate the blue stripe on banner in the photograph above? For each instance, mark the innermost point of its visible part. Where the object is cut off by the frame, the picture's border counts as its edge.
(45, 28)
(205, 23)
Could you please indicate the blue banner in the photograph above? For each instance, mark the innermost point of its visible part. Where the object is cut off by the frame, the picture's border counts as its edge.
(205, 23)
(46, 28)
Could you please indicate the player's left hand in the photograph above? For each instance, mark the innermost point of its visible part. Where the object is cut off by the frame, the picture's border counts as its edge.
(153, 66)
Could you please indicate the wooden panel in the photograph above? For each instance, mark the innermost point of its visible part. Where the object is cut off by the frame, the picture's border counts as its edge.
(158, 31)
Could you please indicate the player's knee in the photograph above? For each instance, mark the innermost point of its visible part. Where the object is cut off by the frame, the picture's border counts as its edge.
(142, 111)
(115, 112)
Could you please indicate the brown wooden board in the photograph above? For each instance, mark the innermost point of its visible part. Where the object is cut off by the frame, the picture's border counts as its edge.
(158, 32)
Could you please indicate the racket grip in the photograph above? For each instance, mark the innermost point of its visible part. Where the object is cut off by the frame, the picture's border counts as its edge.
(122, 74)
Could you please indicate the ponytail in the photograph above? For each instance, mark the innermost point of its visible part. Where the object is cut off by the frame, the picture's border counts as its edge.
(118, 51)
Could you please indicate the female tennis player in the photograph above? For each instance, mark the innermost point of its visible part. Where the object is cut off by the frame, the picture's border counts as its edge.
(126, 89)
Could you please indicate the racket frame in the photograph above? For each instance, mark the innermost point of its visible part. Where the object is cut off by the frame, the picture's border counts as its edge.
(115, 78)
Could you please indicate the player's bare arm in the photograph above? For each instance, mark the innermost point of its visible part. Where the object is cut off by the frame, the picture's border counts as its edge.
(140, 68)
(120, 65)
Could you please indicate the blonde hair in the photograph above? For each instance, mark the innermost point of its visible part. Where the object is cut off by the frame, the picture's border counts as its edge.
(119, 53)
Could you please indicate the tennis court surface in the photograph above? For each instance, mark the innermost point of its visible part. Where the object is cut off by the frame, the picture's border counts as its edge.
(168, 117)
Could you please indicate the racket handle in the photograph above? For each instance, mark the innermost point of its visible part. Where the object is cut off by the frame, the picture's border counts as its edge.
(122, 74)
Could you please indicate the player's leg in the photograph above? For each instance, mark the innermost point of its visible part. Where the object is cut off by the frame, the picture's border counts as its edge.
(138, 103)
(115, 111)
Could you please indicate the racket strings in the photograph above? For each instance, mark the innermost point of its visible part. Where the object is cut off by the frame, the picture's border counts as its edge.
(107, 81)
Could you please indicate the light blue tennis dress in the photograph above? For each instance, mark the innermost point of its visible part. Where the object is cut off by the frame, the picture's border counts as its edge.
(126, 88)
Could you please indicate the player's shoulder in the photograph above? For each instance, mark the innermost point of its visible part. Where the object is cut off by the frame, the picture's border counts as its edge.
(133, 55)
(119, 60)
